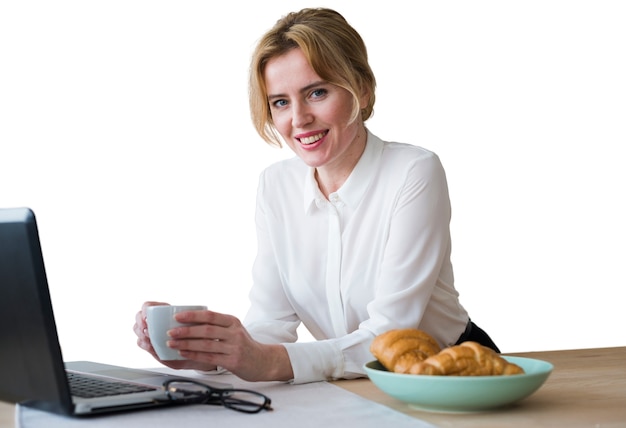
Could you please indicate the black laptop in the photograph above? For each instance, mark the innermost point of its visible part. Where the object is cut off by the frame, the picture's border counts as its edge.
(32, 371)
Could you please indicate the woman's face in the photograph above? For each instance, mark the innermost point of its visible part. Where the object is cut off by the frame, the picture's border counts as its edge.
(312, 115)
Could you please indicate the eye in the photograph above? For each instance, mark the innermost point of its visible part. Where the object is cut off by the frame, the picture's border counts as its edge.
(279, 103)
(318, 93)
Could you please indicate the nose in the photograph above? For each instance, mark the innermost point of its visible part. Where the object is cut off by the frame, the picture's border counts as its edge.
(301, 115)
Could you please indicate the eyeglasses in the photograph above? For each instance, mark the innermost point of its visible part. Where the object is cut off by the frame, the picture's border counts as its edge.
(187, 391)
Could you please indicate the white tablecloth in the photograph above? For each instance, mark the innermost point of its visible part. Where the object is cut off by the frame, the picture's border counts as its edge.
(319, 404)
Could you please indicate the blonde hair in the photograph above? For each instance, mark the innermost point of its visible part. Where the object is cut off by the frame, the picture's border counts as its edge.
(335, 51)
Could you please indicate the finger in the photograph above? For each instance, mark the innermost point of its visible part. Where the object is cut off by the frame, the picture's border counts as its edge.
(200, 331)
(207, 317)
(201, 346)
(145, 344)
(141, 327)
(141, 330)
(140, 320)
(138, 329)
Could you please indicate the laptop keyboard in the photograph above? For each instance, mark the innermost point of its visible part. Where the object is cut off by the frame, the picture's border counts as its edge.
(92, 387)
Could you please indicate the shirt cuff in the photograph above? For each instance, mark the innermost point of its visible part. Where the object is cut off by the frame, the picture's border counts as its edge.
(315, 361)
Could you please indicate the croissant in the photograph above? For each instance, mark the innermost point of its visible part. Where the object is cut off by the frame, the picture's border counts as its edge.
(466, 359)
(398, 350)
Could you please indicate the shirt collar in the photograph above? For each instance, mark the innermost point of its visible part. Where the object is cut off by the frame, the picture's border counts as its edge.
(352, 191)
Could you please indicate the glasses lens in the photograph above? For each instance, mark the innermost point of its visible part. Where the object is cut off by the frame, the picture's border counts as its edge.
(183, 390)
(246, 401)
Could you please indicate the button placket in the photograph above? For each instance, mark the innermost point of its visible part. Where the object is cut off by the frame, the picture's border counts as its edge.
(333, 270)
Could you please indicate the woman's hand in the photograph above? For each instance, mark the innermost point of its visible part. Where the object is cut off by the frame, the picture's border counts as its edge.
(143, 341)
(217, 340)
(221, 340)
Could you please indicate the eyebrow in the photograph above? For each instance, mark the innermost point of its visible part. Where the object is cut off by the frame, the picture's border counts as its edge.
(304, 89)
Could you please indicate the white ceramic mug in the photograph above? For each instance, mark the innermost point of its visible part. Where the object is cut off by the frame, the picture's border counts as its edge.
(160, 320)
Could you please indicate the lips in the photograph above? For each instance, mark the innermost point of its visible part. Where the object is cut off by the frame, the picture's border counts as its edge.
(310, 139)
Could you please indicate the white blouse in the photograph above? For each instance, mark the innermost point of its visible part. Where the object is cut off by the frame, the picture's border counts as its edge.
(374, 256)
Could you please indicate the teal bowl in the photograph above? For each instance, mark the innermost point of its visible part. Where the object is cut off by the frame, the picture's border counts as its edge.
(461, 393)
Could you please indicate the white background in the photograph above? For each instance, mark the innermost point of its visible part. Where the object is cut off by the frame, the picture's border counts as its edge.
(125, 126)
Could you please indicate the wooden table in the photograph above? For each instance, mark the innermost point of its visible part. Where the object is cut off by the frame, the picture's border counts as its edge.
(7, 415)
(586, 389)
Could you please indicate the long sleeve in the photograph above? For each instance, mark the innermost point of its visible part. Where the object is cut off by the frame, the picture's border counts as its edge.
(393, 259)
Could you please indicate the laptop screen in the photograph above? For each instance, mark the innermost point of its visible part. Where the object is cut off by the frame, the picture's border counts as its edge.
(32, 365)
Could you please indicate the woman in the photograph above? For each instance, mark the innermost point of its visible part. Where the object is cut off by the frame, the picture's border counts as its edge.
(353, 233)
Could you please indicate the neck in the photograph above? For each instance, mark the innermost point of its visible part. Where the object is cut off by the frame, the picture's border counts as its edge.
(331, 177)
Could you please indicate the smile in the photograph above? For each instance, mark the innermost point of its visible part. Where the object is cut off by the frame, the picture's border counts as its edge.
(312, 138)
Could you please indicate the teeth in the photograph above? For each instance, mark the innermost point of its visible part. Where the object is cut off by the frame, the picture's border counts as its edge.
(312, 139)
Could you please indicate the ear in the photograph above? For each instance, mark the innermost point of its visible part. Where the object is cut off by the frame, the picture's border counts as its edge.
(364, 99)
